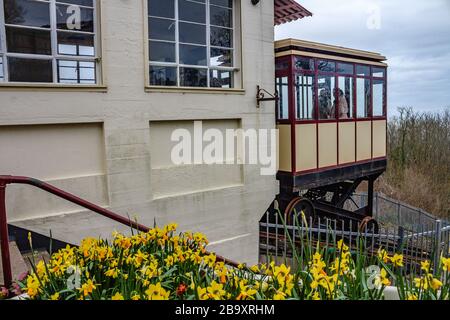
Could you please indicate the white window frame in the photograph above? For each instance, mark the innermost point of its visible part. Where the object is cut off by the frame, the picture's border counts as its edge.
(55, 56)
(234, 48)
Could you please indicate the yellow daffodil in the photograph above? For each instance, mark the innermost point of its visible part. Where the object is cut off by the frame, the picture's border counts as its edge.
(117, 296)
(281, 273)
(397, 260)
(54, 296)
(435, 284)
(202, 294)
(112, 273)
(87, 288)
(246, 293)
(157, 292)
(383, 255)
(382, 279)
(412, 297)
(445, 264)
(32, 286)
(316, 296)
(425, 266)
(169, 261)
(279, 295)
(215, 291)
(341, 245)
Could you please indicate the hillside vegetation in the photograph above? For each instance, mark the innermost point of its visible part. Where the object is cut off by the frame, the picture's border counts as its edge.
(419, 160)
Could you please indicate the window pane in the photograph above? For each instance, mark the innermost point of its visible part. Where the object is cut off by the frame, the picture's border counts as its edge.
(223, 3)
(87, 72)
(77, 44)
(221, 79)
(281, 65)
(163, 76)
(22, 40)
(327, 66)
(326, 98)
(304, 63)
(345, 93)
(378, 98)
(192, 55)
(221, 17)
(191, 11)
(162, 51)
(190, 77)
(304, 96)
(161, 29)
(378, 72)
(362, 97)
(362, 70)
(192, 33)
(76, 72)
(67, 71)
(221, 37)
(283, 102)
(86, 3)
(345, 68)
(161, 8)
(27, 13)
(65, 18)
(221, 57)
(29, 70)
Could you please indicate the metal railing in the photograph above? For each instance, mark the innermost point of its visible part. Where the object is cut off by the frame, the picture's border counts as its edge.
(395, 212)
(4, 237)
(429, 240)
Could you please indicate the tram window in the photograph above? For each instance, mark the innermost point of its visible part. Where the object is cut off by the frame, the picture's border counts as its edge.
(345, 93)
(378, 72)
(378, 98)
(345, 68)
(326, 86)
(326, 66)
(302, 63)
(362, 71)
(362, 97)
(283, 102)
(281, 65)
(304, 97)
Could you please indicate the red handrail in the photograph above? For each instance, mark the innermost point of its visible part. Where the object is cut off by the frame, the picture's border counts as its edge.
(4, 238)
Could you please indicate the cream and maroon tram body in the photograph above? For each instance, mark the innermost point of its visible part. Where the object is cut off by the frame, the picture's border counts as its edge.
(331, 116)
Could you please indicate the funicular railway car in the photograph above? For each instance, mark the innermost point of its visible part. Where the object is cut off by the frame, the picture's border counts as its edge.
(331, 116)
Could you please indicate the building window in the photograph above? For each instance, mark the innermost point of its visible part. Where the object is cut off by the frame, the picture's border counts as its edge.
(191, 43)
(49, 41)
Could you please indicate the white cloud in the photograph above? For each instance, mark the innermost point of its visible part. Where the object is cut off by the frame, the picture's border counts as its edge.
(414, 35)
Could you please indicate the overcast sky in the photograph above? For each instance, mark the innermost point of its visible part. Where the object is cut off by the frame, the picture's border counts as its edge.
(413, 34)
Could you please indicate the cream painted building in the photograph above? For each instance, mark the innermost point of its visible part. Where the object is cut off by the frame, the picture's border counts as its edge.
(89, 106)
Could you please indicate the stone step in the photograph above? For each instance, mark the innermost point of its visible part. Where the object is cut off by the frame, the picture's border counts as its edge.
(18, 263)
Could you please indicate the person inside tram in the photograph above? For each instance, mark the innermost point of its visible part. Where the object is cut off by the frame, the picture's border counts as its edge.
(343, 104)
(325, 104)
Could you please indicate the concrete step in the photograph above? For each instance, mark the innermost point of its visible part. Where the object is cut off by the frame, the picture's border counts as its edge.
(18, 264)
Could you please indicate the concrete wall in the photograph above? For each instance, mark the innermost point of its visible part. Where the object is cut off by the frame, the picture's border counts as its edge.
(104, 145)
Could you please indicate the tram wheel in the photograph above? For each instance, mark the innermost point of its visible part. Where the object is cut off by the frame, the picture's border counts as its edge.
(368, 224)
(296, 207)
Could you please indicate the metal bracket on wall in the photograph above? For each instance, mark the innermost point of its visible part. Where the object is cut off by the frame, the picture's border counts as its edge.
(261, 96)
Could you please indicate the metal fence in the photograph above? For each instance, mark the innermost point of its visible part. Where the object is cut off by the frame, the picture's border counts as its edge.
(402, 229)
(395, 213)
